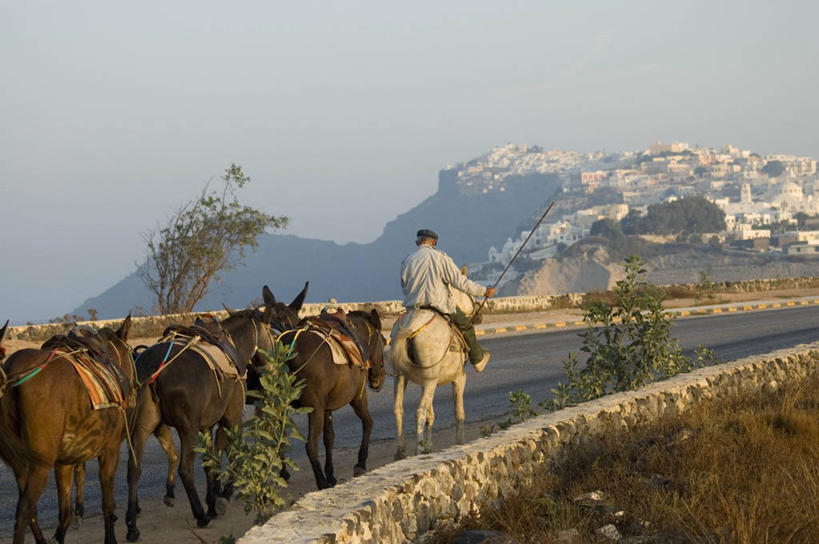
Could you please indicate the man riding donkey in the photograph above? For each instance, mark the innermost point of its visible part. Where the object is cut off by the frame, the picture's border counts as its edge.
(425, 275)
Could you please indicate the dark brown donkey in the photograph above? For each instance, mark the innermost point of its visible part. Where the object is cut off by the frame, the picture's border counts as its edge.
(330, 386)
(49, 417)
(2, 349)
(187, 395)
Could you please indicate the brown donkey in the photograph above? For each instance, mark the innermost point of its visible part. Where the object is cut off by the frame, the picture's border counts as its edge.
(330, 386)
(186, 394)
(62, 405)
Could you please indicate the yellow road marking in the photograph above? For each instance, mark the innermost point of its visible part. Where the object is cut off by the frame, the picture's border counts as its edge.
(716, 310)
(747, 307)
(685, 312)
(540, 325)
(520, 327)
(579, 322)
(560, 324)
(790, 303)
(480, 332)
(776, 305)
(761, 306)
(732, 309)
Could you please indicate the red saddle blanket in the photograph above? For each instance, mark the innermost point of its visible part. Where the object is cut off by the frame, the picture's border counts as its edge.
(344, 349)
(102, 386)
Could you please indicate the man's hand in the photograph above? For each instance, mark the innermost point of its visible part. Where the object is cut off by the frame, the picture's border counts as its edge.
(490, 292)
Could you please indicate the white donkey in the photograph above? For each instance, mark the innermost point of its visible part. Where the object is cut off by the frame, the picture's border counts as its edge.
(425, 349)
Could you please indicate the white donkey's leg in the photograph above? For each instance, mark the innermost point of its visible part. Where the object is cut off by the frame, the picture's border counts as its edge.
(424, 411)
(458, 387)
(400, 385)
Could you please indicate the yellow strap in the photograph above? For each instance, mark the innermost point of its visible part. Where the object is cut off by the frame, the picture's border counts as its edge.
(415, 333)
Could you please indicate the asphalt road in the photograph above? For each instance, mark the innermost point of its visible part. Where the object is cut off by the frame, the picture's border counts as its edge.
(530, 362)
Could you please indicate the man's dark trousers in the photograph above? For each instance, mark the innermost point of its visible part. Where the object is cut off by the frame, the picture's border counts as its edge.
(465, 325)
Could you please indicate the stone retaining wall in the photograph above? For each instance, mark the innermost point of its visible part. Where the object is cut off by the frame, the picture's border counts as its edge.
(403, 501)
(154, 325)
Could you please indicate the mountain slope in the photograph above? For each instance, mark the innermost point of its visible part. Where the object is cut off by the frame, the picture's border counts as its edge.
(468, 224)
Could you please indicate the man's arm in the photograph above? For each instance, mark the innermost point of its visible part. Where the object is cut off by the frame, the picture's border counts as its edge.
(452, 275)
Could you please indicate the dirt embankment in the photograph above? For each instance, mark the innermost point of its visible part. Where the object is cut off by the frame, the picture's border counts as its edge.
(592, 266)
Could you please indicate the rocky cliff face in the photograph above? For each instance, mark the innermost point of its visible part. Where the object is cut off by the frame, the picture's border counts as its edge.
(593, 270)
(594, 267)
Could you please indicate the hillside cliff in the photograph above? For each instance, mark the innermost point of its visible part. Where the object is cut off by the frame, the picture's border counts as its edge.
(591, 265)
(468, 224)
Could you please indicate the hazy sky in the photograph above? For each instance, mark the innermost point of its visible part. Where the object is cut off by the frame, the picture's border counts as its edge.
(113, 113)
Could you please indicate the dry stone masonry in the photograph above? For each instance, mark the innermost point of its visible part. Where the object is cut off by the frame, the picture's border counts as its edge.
(154, 325)
(403, 501)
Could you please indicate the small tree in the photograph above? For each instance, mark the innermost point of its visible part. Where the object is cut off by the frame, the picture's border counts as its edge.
(253, 456)
(628, 344)
(198, 241)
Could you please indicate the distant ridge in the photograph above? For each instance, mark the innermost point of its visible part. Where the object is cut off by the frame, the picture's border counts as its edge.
(468, 224)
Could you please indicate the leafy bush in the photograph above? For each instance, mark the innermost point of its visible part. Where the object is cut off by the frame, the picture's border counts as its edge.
(691, 214)
(254, 460)
(628, 344)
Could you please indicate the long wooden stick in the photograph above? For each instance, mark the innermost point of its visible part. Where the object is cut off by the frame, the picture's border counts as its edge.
(542, 217)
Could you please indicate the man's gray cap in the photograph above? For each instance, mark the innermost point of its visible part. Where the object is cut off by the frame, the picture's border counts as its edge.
(426, 233)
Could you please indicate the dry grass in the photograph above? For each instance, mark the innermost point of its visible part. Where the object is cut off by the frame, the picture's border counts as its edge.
(743, 471)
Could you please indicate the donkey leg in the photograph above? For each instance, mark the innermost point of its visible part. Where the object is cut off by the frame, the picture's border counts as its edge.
(62, 476)
(21, 478)
(329, 436)
(458, 386)
(400, 385)
(165, 436)
(108, 462)
(421, 414)
(211, 485)
(146, 420)
(362, 410)
(79, 502)
(34, 481)
(316, 424)
(35, 530)
(187, 438)
(231, 418)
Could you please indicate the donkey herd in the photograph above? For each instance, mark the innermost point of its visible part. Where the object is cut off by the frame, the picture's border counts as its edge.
(82, 393)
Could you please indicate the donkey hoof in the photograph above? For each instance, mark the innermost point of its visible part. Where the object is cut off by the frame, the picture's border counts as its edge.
(203, 522)
(221, 506)
(132, 535)
(358, 471)
(169, 501)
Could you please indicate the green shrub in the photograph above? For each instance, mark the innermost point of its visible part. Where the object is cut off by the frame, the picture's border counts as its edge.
(628, 344)
(253, 455)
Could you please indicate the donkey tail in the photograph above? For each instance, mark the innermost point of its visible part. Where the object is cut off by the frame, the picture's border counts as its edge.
(14, 451)
(401, 352)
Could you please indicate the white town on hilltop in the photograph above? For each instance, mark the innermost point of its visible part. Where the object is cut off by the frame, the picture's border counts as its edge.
(753, 190)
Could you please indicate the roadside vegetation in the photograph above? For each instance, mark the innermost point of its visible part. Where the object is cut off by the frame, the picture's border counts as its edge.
(739, 470)
(627, 344)
(255, 454)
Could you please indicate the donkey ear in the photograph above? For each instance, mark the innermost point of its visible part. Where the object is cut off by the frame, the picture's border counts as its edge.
(375, 319)
(125, 328)
(228, 310)
(464, 270)
(267, 295)
(3, 330)
(299, 300)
